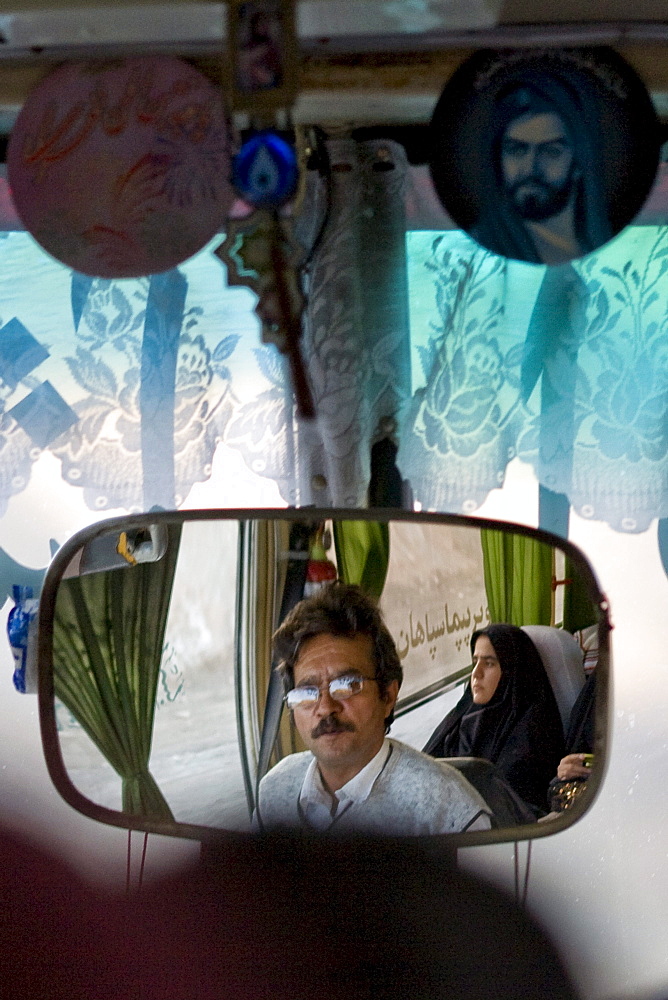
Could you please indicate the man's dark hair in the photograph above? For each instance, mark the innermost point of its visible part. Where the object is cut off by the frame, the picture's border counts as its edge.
(344, 610)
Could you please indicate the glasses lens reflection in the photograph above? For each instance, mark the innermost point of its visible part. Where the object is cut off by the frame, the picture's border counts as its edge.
(339, 688)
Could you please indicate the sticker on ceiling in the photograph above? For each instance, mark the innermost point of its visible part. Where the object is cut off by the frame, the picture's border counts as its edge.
(122, 169)
(544, 155)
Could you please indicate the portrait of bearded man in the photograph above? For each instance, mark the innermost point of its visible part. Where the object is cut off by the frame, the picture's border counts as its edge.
(545, 202)
(544, 156)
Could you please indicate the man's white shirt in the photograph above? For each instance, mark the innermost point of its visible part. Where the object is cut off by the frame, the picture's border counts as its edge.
(320, 808)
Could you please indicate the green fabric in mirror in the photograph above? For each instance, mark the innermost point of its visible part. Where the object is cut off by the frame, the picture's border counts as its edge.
(363, 554)
(518, 578)
(107, 647)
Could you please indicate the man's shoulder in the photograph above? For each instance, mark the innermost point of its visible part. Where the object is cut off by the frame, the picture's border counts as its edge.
(293, 766)
(429, 772)
(408, 756)
(279, 793)
(420, 795)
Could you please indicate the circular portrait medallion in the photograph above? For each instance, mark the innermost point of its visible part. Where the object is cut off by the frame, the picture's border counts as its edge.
(544, 156)
(122, 169)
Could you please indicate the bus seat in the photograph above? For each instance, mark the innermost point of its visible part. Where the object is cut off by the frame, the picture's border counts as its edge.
(507, 808)
(563, 661)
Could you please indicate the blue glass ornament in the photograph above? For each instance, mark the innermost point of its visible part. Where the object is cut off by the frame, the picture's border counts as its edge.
(265, 170)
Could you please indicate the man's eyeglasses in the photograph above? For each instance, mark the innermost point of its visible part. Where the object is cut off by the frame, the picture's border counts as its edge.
(339, 689)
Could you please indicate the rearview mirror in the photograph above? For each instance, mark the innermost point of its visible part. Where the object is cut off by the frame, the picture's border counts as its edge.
(162, 708)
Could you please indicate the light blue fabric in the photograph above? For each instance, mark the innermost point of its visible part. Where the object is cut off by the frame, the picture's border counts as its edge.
(137, 375)
(566, 368)
(132, 385)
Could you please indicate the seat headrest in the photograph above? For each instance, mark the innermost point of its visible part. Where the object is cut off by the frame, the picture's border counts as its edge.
(563, 662)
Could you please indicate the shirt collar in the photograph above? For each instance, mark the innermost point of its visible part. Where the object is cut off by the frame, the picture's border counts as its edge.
(315, 801)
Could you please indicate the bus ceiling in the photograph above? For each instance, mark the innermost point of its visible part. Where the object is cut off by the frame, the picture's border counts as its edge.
(391, 70)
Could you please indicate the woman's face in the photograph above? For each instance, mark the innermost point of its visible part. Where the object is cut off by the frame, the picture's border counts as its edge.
(486, 671)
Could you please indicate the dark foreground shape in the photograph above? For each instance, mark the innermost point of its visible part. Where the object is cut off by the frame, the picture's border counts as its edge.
(273, 918)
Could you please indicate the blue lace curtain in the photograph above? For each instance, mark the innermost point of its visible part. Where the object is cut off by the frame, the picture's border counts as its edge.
(134, 385)
(565, 367)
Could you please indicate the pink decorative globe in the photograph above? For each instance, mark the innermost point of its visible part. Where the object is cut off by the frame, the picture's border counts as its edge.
(121, 169)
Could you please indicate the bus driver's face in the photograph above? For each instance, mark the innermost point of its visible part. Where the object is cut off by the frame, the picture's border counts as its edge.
(537, 165)
(344, 735)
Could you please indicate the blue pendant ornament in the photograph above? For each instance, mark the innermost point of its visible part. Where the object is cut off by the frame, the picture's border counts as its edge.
(265, 170)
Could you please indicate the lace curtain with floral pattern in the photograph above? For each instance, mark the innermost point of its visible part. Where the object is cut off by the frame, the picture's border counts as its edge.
(468, 359)
(565, 367)
(133, 384)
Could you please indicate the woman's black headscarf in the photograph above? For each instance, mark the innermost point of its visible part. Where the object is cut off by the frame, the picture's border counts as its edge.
(519, 729)
(580, 735)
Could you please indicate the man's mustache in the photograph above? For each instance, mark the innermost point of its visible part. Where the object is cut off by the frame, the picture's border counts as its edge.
(330, 724)
(536, 182)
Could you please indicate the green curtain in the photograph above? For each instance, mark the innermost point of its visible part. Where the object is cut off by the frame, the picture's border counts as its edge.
(107, 646)
(363, 554)
(518, 578)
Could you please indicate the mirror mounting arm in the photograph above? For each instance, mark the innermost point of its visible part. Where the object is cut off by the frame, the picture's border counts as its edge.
(386, 487)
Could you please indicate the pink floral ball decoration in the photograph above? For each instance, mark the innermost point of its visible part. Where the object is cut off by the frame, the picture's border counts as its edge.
(122, 169)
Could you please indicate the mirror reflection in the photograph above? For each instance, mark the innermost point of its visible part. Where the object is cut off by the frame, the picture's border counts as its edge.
(408, 677)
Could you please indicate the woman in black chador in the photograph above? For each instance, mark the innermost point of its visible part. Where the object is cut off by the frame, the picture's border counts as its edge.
(507, 715)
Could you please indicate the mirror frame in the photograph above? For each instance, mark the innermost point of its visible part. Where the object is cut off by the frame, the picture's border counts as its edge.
(210, 835)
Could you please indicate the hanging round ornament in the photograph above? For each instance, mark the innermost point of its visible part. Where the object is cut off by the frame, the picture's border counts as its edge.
(544, 155)
(122, 169)
(265, 170)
